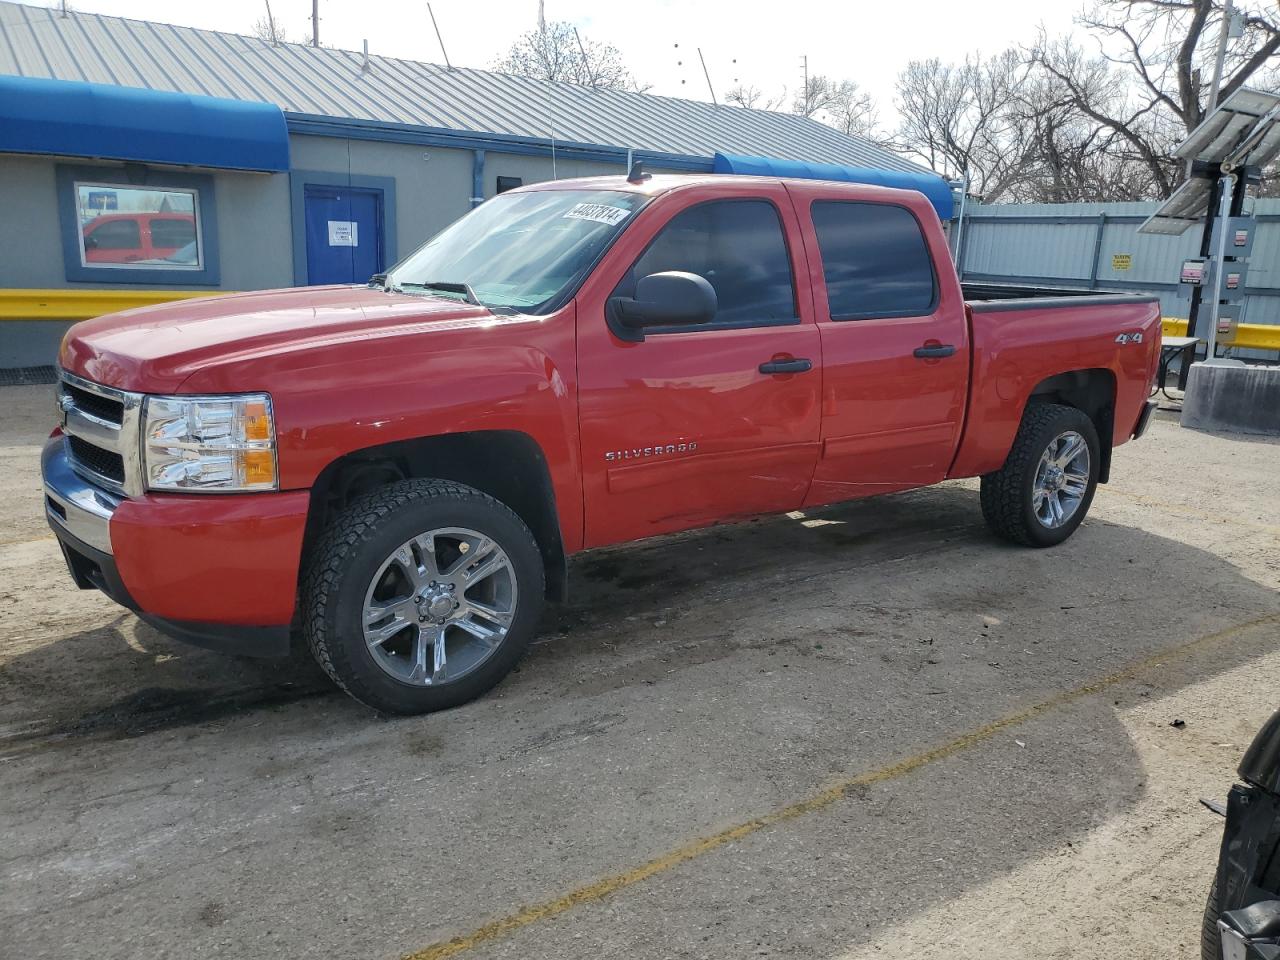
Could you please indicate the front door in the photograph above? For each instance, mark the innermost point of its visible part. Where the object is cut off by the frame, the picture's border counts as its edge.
(685, 428)
(344, 234)
(895, 347)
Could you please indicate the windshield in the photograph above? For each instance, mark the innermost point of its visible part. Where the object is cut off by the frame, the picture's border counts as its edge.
(518, 251)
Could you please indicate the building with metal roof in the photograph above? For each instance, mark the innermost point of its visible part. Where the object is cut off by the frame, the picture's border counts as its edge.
(140, 160)
(340, 91)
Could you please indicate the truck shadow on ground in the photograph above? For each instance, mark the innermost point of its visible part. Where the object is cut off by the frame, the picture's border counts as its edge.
(646, 596)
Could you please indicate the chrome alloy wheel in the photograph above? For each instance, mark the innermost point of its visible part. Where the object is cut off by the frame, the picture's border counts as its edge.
(439, 606)
(1062, 478)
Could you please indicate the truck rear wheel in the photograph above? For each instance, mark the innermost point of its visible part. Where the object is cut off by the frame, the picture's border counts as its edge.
(421, 596)
(1046, 485)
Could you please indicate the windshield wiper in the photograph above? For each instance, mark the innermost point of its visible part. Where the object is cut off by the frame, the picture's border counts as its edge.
(468, 294)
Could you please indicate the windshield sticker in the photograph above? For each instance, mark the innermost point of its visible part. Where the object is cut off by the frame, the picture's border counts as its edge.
(599, 212)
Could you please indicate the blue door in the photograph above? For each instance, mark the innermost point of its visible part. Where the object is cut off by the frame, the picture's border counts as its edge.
(344, 234)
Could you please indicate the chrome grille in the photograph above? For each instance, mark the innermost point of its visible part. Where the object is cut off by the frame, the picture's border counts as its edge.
(99, 462)
(102, 425)
(104, 408)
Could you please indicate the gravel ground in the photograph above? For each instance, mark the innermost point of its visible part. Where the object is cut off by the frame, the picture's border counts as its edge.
(867, 731)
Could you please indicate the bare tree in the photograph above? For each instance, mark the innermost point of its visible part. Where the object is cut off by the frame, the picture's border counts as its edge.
(269, 28)
(838, 103)
(752, 98)
(853, 111)
(820, 93)
(966, 118)
(1069, 157)
(555, 51)
(1148, 82)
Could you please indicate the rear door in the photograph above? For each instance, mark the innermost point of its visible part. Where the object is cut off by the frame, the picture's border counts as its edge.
(171, 234)
(895, 344)
(685, 428)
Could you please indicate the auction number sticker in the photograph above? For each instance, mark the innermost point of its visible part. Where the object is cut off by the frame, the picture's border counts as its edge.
(599, 212)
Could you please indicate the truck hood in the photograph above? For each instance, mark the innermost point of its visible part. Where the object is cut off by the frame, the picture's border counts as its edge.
(155, 349)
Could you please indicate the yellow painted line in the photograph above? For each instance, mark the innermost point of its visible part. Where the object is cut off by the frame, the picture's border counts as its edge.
(1255, 336)
(594, 892)
(83, 304)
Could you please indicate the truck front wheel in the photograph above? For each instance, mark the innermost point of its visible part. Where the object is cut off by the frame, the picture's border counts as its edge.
(421, 596)
(1046, 485)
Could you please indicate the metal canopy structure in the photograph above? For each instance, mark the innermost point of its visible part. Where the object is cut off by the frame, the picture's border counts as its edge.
(1224, 154)
(1230, 128)
(1184, 208)
(1241, 132)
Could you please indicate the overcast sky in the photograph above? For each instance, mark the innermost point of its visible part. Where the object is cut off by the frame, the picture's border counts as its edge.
(854, 39)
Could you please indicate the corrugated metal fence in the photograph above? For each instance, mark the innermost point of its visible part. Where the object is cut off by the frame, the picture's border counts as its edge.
(1096, 246)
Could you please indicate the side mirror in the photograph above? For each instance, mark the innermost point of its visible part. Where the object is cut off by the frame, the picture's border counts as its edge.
(90, 242)
(672, 298)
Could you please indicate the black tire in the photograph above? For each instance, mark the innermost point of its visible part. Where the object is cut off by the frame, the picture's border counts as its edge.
(346, 558)
(1210, 939)
(1007, 501)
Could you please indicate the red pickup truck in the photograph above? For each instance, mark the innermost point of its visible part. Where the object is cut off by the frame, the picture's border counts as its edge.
(397, 472)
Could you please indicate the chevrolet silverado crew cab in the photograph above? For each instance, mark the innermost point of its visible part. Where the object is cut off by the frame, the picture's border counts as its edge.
(397, 472)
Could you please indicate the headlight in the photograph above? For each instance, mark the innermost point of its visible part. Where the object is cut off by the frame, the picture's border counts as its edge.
(209, 443)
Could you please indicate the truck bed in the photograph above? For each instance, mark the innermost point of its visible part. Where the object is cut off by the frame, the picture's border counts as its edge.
(990, 297)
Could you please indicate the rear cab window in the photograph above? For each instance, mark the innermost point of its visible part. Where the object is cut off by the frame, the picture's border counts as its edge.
(739, 247)
(875, 261)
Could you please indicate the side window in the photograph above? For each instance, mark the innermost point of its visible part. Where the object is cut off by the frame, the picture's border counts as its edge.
(162, 228)
(739, 247)
(111, 238)
(115, 235)
(175, 233)
(874, 260)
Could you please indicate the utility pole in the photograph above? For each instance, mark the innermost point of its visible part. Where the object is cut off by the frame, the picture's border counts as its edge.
(1221, 57)
(586, 62)
(443, 52)
(315, 23)
(707, 74)
(804, 90)
(1215, 199)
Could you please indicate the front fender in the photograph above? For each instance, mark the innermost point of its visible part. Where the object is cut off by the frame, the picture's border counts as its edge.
(334, 401)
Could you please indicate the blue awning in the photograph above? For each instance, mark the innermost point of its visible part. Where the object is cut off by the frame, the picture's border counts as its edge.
(931, 185)
(72, 119)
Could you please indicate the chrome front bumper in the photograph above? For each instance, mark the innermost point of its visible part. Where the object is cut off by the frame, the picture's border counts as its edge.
(72, 503)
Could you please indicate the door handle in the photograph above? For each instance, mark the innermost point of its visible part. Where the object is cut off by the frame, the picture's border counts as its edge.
(799, 365)
(932, 351)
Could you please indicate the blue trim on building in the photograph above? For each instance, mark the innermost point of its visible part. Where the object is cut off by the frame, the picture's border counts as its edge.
(342, 127)
(74, 119)
(70, 226)
(935, 189)
(298, 181)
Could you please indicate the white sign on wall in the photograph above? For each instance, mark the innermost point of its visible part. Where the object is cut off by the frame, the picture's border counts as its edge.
(344, 233)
